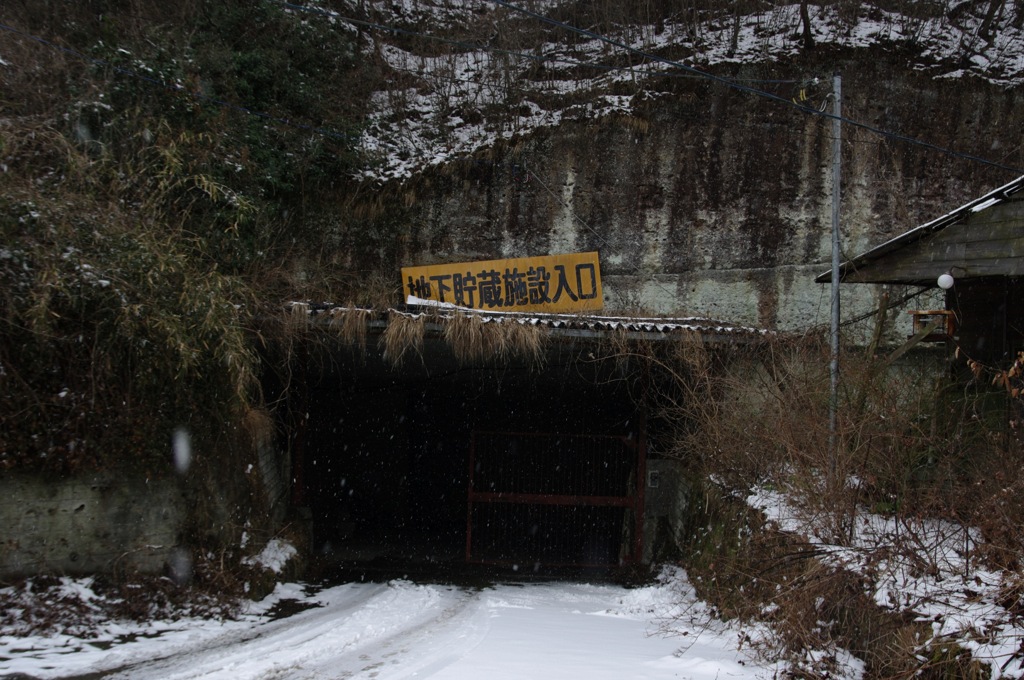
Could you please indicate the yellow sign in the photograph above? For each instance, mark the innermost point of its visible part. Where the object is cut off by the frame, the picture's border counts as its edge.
(552, 283)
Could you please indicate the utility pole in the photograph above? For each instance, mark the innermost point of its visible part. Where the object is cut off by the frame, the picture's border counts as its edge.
(833, 403)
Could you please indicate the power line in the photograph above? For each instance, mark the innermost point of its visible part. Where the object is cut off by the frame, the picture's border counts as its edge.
(751, 90)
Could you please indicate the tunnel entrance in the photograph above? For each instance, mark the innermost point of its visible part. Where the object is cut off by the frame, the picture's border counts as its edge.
(437, 462)
(554, 499)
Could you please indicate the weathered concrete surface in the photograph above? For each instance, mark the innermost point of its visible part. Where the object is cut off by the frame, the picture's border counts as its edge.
(666, 499)
(230, 488)
(98, 524)
(712, 202)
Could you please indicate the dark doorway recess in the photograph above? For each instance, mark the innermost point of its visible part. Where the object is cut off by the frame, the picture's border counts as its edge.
(555, 499)
(388, 454)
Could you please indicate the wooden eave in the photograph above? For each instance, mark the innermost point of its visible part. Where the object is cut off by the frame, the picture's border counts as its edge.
(982, 238)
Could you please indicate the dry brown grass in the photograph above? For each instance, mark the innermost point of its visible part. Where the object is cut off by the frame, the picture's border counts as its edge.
(296, 317)
(636, 124)
(351, 324)
(527, 341)
(474, 339)
(404, 332)
(258, 426)
(469, 337)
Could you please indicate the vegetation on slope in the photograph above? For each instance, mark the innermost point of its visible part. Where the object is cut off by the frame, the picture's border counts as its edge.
(928, 458)
(150, 193)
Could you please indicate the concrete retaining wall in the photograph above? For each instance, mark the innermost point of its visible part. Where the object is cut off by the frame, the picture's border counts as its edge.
(90, 524)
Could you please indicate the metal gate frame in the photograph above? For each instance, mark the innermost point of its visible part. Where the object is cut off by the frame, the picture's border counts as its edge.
(634, 502)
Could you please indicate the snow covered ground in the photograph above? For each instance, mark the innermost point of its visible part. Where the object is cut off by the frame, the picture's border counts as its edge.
(402, 629)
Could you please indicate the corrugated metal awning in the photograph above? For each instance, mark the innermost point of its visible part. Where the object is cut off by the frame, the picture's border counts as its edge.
(564, 325)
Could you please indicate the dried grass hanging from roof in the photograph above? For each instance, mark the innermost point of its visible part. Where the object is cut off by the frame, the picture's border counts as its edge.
(404, 332)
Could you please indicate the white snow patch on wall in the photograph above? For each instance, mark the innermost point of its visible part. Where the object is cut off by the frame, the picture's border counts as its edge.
(273, 557)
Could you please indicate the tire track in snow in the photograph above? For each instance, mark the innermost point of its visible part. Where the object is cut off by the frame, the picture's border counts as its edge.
(192, 657)
(382, 630)
(422, 649)
(124, 662)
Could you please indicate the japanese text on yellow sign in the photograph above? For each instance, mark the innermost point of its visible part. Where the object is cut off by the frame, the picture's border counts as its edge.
(552, 283)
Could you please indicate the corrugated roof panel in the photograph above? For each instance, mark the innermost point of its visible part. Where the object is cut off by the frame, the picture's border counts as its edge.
(589, 324)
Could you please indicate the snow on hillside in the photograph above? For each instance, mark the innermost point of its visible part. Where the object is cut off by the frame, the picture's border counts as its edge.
(467, 96)
(921, 570)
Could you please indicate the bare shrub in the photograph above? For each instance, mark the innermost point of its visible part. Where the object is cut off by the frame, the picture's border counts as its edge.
(910, 443)
(752, 413)
(902, 441)
(378, 290)
(746, 568)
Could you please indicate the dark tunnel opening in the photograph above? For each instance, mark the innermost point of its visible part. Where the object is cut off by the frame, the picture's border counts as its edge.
(552, 452)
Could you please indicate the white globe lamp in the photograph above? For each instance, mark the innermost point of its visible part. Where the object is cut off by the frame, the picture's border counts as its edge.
(945, 281)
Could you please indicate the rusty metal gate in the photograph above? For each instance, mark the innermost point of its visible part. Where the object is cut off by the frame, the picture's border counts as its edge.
(555, 500)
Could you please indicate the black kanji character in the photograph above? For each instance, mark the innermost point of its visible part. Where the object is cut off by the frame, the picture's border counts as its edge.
(515, 288)
(441, 286)
(489, 287)
(580, 268)
(538, 285)
(463, 288)
(419, 288)
(563, 284)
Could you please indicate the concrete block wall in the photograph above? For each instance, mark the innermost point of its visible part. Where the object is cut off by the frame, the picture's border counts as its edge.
(85, 525)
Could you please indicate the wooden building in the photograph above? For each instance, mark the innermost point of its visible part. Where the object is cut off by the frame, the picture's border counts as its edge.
(975, 252)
